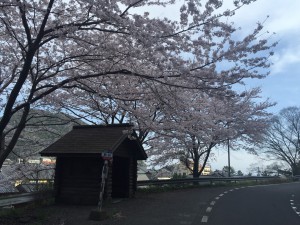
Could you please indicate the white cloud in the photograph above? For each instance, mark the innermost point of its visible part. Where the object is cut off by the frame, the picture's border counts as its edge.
(285, 58)
(284, 20)
(283, 17)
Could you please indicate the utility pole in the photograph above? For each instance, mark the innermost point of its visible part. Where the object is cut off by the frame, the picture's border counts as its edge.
(228, 158)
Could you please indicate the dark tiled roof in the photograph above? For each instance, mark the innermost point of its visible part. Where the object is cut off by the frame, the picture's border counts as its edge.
(92, 139)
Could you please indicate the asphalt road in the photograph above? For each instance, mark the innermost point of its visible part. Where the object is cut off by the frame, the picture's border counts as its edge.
(258, 205)
(178, 207)
(181, 207)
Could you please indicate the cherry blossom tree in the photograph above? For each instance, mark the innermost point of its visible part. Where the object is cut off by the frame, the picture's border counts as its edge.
(52, 45)
(177, 123)
(202, 122)
(103, 106)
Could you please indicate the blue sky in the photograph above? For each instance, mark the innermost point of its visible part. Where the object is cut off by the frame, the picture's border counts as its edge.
(283, 83)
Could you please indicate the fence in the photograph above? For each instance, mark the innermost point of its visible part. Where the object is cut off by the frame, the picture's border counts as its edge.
(203, 179)
(16, 199)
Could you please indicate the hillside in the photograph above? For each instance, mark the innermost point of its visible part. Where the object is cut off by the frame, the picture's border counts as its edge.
(43, 128)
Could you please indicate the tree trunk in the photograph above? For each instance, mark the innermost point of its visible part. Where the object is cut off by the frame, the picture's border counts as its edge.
(10, 146)
(206, 157)
(195, 156)
(295, 169)
(196, 173)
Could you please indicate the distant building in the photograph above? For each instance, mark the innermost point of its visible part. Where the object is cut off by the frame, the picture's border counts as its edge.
(207, 170)
(7, 162)
(143, 173)
(47, 161)
(164, 174)
(33, 161)
(39, 160)
(181, 170)
(178, 170)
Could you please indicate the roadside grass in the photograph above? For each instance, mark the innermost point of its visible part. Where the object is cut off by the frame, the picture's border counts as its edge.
(31, 213)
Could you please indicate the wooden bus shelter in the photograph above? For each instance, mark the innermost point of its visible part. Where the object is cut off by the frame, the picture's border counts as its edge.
(79, 162)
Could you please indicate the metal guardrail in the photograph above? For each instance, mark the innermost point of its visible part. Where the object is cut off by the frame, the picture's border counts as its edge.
(201, 180)
(16, 199)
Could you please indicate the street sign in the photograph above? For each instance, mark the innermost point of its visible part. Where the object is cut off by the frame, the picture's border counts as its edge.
(107, 155)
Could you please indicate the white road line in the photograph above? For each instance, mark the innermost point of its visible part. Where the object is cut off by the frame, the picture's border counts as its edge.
(204, 219)
(220, 195)
(217, 198)
(185, 215)
(293, 205)
(185, 222)
(231, 190)
(225, 192)
(208, 210)
(212, 203)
